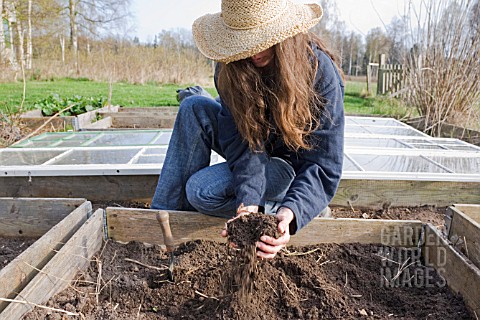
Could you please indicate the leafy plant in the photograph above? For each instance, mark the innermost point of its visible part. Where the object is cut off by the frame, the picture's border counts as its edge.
(54, 103)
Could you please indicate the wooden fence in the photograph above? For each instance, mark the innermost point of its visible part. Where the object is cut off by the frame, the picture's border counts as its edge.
(391, 79)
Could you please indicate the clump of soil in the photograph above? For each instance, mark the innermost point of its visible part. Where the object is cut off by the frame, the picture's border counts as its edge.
(245, 231)
(10, 248)
(325, 281)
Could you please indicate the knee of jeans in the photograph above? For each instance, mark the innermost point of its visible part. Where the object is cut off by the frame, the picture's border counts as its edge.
(192, 103)
(197, 197)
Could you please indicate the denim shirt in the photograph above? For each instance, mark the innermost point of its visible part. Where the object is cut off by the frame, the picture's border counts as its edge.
(317, 171)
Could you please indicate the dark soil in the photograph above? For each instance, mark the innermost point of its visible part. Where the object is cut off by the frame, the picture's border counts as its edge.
(246, 230)
(326, 281)
(426, 214)
(10, 248)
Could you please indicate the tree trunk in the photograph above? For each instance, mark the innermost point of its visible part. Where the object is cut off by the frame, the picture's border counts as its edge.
(350, 62)
(73, 31)
(2, 36)
(29, 56)
(62, 45)
(21, 43)
(11, 18)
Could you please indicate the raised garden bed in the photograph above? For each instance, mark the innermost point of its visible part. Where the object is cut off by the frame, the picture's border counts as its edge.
(377, 277)
(64, 246)
(388, 271)
(135, 118)
(463, 230)
(34, 119)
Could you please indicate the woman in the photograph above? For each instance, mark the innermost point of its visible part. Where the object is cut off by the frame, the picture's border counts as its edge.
(279, 123)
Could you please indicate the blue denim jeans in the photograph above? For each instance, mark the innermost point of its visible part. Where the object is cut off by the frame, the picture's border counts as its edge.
(188, 182)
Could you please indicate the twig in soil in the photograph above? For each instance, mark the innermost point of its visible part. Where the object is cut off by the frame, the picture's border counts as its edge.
(320, 257)
(325, 262)
(114, 255)
(139, 308)
(146, 265)
(272, 288)
(346, 280)
(295, 253)
(385, 258)
(283, 281)
(476, 317)
(401, 269)
(351, 206)
(99, 280)
(39, 306)
(466, 247)
(205, 296)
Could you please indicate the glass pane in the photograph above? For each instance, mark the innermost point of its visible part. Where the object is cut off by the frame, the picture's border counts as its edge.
(395, 163)
(399, 131)
(98, 156)
(459, 165)
(355, 129)
(373, 143)
(156, 151)
(39, 144)
(26, 157)
(348, 165)
(52, 136)
(426, 146)
(461, 148)
(126, 139)
(151, 159)
(70, 143)
(164, 138)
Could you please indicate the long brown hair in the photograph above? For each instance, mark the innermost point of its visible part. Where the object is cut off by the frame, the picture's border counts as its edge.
(286, 94)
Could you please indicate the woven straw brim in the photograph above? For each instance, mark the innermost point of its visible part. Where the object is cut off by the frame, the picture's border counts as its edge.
(220, 43)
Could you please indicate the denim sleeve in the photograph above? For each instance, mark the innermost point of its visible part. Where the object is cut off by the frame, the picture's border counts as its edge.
(319, 169)
(248, 167)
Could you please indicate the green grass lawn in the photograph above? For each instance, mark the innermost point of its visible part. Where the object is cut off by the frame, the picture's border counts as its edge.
(131, 95)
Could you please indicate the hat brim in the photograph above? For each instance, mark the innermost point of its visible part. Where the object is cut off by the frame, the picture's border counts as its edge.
(221, 43)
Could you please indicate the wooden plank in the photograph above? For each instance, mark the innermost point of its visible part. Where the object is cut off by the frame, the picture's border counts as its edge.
(471, 210)
(148, 121)
(142, 113)
(100, 124)
(126, 224)
(57, 274)
(148, 109)
(395, 233)
(378, 194)
(18, 273)
(464, 233)
(461, 275)
(33, 217)
(94, 188)
(374, 194)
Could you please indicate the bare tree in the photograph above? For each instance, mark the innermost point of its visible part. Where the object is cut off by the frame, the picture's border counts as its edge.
(444, 70)
(29, 56)
(93, 17)
(2, 35)
(377, 42)
(397, 34)
(11, 21)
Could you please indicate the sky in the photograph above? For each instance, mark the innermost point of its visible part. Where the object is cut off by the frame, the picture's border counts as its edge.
(153, 16)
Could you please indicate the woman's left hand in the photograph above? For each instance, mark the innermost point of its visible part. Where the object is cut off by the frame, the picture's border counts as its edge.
(269, 246)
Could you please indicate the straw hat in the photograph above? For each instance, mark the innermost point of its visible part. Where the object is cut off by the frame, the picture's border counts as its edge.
(247, 27)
